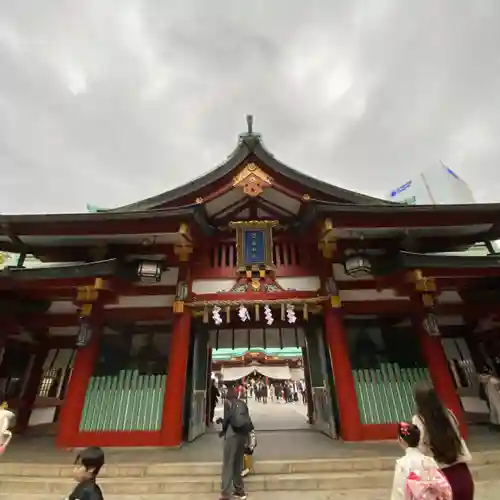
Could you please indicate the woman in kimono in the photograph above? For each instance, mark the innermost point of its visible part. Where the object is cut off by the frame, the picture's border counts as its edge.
(440, 438)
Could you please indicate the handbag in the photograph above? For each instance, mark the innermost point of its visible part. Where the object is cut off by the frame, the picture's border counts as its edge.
(431, 484)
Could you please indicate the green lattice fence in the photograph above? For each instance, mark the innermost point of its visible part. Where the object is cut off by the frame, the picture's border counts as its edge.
(126, 402)
(385, 395)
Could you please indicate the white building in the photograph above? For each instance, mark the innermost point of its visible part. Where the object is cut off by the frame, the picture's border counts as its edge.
(439, 186)
(10, 259)
(434, 186)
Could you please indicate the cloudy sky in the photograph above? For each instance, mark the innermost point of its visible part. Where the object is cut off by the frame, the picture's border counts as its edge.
(109, 102)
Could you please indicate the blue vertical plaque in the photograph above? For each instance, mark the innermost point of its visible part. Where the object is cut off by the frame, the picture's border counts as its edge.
(254, 244)
(255, 247)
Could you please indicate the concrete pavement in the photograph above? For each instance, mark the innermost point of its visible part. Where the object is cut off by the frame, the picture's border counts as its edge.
(276, 415)
(295, 439)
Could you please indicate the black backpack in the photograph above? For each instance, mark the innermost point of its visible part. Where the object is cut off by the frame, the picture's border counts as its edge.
(240, 417)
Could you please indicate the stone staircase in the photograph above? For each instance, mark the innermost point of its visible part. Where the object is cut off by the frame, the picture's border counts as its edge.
(332, 479)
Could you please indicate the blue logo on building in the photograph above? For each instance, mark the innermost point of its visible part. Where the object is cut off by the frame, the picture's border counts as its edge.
(400, 189)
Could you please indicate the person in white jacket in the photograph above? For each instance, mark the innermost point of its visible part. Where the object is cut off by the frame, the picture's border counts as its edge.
(7, 419)
(492, 388)
(415, 464)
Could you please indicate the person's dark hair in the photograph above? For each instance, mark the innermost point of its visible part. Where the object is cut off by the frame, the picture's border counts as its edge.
(409, 433)
(231, 392)
(92, 458)
(444, 441)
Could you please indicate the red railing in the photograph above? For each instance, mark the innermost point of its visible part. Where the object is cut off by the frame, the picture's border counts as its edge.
(220, 261)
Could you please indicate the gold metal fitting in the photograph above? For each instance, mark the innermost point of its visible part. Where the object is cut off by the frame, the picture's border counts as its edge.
(178, 306)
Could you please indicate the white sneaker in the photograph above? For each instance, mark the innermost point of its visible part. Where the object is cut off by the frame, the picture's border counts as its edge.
(245, 472)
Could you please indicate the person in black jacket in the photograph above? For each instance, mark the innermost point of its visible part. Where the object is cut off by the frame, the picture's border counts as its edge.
(232, 485)
(88, 463)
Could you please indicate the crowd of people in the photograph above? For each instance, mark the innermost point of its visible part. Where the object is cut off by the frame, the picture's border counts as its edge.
(434, 464)
(260, 390)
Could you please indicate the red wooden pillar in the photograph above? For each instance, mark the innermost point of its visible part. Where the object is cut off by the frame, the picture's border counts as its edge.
(350, 418)
(437, 363)
(173, 409)
(74, 401)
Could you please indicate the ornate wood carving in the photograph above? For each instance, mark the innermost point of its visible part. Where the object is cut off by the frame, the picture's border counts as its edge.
(253, 180)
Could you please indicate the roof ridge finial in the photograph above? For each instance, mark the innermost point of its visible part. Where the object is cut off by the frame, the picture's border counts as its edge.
(250, 124)
(249, 138)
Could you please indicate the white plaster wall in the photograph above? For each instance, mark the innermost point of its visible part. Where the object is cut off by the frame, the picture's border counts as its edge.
(405, 323)
(364, 295)
(443, 320)
(300, 283)
(40, 416)
(449, 297)
(448, 320)
(199, 287)
(125, 301)
(62, 307)
(63, 331)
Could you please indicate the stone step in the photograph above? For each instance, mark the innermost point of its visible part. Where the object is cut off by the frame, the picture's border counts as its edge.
(334, 465)
(210, 484)
(201, 468)
(487, 490)
(277, 495)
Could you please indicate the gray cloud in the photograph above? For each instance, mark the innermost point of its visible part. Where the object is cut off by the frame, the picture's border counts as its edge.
(110, 103)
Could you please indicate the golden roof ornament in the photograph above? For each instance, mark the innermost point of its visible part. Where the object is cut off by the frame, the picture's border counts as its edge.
(252, 179)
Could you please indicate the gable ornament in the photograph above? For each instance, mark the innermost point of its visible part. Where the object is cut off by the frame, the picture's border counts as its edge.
(252, 179)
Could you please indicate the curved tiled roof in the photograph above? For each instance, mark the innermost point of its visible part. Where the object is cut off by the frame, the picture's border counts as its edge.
(249, 145)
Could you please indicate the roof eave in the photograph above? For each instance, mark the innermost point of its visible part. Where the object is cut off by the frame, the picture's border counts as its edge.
(234, 159)
(98, 269)
(390, 207)
(411, 260)
(263, 154)
(179, 212)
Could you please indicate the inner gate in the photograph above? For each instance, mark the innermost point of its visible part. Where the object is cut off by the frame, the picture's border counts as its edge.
(304, 341)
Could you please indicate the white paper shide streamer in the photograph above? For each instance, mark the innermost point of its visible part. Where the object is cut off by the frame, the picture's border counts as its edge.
(243, 313)
(268, 315)
(216, 315)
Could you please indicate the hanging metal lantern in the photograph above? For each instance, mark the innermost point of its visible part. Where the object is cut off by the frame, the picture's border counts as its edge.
(84, 334)
(149, 271)
(358, 265)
